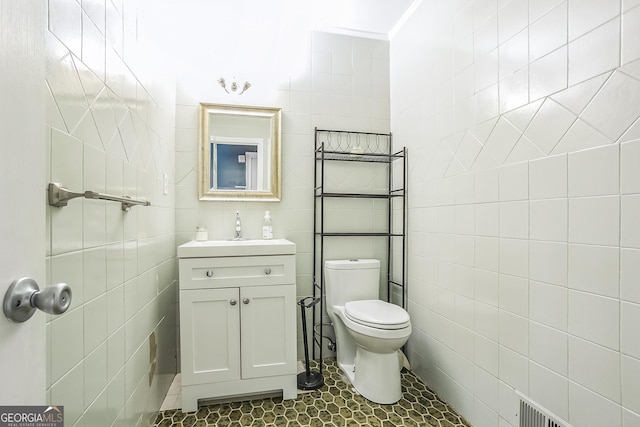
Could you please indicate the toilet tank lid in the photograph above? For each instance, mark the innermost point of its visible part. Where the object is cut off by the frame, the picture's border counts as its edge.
(351, 264)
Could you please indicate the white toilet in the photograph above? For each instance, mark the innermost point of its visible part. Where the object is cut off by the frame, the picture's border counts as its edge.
(369, 332)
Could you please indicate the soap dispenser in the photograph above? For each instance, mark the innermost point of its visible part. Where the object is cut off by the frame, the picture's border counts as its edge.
(267, 229)
(201, 233)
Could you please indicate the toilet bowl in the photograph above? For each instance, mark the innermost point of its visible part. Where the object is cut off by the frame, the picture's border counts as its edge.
(369, 332)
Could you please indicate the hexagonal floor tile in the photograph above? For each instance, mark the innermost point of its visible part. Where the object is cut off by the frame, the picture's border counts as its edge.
(336, 403)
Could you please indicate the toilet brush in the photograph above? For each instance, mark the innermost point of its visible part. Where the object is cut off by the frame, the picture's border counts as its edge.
(308, 380)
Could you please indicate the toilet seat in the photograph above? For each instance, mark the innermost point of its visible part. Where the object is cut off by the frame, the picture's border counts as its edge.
(399, 332)
(377, 314)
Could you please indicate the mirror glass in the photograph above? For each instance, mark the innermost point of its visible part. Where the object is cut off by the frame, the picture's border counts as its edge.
(239, 153)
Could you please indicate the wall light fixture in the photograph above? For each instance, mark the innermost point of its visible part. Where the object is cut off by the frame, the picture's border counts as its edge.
(234, 86)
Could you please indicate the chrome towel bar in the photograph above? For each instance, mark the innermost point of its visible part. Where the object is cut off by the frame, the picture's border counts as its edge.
(59, 196)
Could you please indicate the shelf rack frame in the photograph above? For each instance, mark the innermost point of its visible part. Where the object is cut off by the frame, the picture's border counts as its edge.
(363, 147)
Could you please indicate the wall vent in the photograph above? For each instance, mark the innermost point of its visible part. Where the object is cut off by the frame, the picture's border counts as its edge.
(530, 414)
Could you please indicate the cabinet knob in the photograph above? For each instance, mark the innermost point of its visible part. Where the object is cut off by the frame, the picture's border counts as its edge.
(245, 300)
(233, 302)
(209, 273)
(267, 271)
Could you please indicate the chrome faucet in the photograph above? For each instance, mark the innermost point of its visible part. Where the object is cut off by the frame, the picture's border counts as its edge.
(238, 235)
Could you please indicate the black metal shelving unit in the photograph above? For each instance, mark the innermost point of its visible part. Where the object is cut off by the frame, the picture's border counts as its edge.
(362, 147)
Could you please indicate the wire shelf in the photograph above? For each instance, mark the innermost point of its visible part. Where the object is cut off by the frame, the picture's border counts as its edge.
(344, 143)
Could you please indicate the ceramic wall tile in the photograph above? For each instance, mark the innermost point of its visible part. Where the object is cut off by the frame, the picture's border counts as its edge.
(587, 407)
(487, 322)
(629, 229)
(486, 354)
(486, 253)
(614, 109)
(111, 137)
(550, 390)
(594, 269)
(487, 287)
(548, 33)
(540, 8)
(629, 342)
(514, 332)
(566, 112)
(549, 125)
(629, 179)
(548, 262)
(487, 186)
(66, 350)
(512, 17)
(548, 219)
(548, 177)
(629, 271)
(548, 347)
(594, 172)
(514, 369)
(514, 182)
(548, 75)
(595, 52)
(65, 20)
(549, 305)
(587, 15)
(514, 219)
(630, 35)
(513, 54)
(487, 219)
(595, 318)
(630, 370)
(595, 367)
(514, 295)
(94, 323)
(70, 390)
(514, 257)
(487, 386)
(594, 220)
(95, 375)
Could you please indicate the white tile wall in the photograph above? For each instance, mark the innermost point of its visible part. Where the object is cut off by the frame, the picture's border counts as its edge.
(548, 347)
(110, 129)
(629, 272)
(594, 269)
(550, 390)
(548, 262)
(595, 220)
(551, 145)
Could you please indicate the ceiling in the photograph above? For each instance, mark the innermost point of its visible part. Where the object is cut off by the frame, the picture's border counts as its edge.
(366, 18)
(235, 35)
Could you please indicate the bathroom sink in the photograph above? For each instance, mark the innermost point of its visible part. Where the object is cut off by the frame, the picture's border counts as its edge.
(217, 248)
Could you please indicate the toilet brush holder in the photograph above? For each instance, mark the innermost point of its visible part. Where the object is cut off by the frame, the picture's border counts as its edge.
(308, 380)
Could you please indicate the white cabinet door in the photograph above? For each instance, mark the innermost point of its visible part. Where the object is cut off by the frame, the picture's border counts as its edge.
(210, 335)
(268, 331)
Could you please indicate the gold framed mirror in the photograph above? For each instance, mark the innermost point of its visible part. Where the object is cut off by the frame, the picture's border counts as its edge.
(239, 153)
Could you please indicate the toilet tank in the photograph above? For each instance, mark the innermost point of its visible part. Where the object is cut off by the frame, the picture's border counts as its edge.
(351, 280)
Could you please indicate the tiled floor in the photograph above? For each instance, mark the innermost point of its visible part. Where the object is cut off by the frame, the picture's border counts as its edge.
(173, 399)
(334, 404)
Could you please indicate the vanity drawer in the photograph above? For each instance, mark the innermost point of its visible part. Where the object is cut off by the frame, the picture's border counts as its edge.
(203, 273)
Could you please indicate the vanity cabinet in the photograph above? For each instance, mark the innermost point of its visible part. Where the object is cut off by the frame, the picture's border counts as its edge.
(237, 325)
